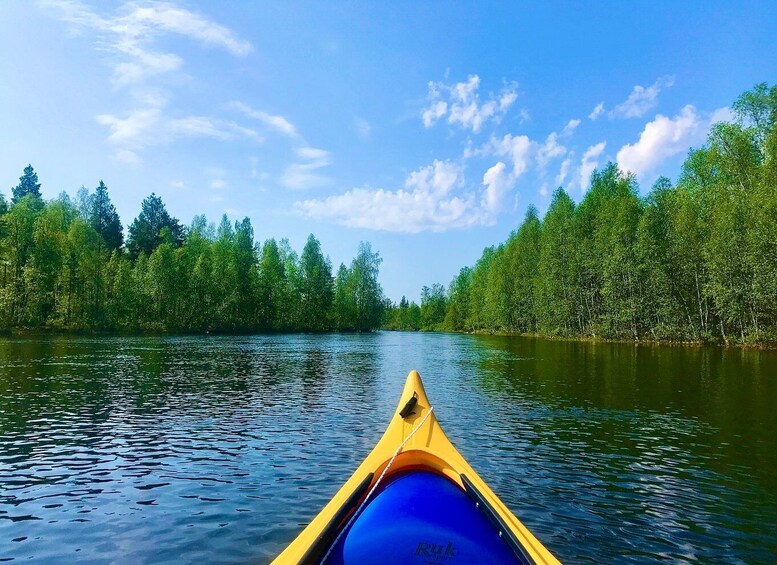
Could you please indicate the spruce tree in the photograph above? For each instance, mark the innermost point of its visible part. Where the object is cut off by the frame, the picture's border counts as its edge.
(28, 184)
(145, 232)
(104, 219)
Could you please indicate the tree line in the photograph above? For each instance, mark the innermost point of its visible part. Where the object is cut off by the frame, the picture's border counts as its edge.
(64, 264)
(695, 260)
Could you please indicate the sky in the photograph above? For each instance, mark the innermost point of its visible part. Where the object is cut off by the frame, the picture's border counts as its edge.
(425, 128)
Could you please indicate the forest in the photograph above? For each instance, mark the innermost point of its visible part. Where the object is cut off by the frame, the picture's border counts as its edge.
(691, 261)
(64, 265)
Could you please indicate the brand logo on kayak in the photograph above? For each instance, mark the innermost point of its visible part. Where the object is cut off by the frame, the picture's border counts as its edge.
(437, 551)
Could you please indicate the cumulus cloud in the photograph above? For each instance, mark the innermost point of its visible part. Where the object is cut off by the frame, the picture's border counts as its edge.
(518, 148)
(131, 34)
(549, 151)
(498, 182)
(462, 105)
(641, 100)
(427, 202)
(274, 122)
(589, 162)
(666, 137)
(519, 154)
(434, 112)
(596, 112)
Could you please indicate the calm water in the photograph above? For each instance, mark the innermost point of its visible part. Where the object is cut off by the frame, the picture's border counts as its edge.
(219, 449)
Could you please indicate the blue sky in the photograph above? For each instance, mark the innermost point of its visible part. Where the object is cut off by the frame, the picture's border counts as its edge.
(425, 128)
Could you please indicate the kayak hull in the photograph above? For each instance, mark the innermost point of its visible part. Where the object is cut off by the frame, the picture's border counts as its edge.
(339, 531)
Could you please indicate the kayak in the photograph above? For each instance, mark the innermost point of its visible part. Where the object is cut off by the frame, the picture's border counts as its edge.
(415, 499)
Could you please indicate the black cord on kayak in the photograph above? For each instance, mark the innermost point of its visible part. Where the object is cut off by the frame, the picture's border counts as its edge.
(408, 409)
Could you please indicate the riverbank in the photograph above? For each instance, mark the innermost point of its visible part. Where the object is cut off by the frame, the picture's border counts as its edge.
(151, 332)
(766, 345)
(55, 331)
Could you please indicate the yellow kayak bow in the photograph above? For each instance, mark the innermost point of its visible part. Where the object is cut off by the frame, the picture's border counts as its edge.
(415, 455)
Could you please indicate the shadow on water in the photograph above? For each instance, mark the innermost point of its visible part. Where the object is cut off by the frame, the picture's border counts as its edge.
(221, 448)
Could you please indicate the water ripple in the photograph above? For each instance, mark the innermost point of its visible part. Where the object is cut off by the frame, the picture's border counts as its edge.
(221, 449)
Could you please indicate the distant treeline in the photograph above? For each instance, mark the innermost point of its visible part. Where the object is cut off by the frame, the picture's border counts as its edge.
(64, 265)
(693, 261)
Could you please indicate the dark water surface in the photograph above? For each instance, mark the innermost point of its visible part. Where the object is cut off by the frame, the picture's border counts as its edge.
(219, 449)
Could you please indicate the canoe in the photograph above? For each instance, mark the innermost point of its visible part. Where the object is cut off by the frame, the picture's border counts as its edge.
(415, 499)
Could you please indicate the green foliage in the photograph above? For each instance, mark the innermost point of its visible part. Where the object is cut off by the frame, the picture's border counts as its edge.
(361, 294)
(62, 265)
(405, 316)
(433, 307)
(458, 301)
(317, 287)
(693, 261)
(522, 264)
(556, 304)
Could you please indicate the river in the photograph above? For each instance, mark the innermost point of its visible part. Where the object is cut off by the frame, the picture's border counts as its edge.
(220, 448)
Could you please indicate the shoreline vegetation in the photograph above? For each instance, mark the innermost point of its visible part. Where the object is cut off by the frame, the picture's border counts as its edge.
(690, 263)
(64, 267)
(694, 262)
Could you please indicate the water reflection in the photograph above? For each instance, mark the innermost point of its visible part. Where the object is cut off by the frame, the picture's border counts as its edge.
(221, 448)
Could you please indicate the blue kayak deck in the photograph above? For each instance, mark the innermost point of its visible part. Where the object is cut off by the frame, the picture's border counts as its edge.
(421, 517)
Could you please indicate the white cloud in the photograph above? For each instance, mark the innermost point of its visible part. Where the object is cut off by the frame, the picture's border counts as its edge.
(144, 64)
(596, 112)
(563, 171)
(168, 17)
(304, 175)
(549, 151)
(589, 162)
(313, 153)
(641, 100)
(518, 148)
(177, 184)
(145, 127)
(306, 172)
(218, 184)
(522, 154)
(665, 137)
(129, 130)
(498, 182)
(434, 112)
(275, 122)
(570, 128)
(131, 35)
(427, 202)
(461, 103)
